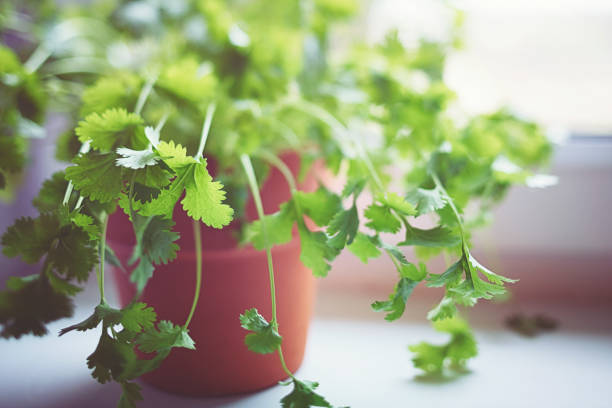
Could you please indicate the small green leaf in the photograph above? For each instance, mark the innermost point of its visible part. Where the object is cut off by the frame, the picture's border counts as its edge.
(426, 201)
(381, 219)
(343, 228)
(364, 248)
(436, 237)
(303, 395)
(396, 304)
(264, 338)
(320, 206)
(137, 317)
(165, 337)
(113, 128)
(316, 253)
(95, 176)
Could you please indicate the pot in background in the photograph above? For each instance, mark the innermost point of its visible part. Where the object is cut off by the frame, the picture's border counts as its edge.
(234, 279)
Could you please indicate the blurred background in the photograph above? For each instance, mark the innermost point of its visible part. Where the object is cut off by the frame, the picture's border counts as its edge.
(549, 61)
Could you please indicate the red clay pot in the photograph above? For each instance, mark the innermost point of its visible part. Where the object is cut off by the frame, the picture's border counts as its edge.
(234, 280)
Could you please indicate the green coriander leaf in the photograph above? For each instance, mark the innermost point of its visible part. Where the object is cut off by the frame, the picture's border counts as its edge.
(96, 176)
(155, 239)
(12, 154)
(444, 310)
(51, 193)
(279, 228)
(316, 253)
(353, 187)
(86, 223)
(303, 395)
(28, 304)
(320, 205)
(426, 201)
(130, 394)
(136, 159)
(30, 238)
(396, 304)
(204, 198)
(113, 128)
(142, 273)
(62, 286)
(264, 338)
(343, 228)
(137, 317)
(109, 359)
(364, 248)
(165, 337)
(102, 313)
(119, 90)
(449, 278)
(436, 237)
(454, 354)
(381, 219)
(397, 203)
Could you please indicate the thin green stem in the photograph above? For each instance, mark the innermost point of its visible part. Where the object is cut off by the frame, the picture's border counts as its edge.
(288, 175)
(210, 111)
(250, 173)
(84, 149)
(38, 57)
(197, 237)
(102, 256)
(144, 95)
(451, 203)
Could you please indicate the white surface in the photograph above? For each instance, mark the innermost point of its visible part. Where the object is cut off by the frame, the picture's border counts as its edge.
(361, 364)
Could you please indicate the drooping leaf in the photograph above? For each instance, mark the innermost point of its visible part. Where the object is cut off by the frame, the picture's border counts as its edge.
(263, 337)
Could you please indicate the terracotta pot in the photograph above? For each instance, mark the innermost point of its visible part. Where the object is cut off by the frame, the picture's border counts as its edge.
(234, 280)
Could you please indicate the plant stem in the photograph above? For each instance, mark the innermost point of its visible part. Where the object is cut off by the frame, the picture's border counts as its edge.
(439, 185)
(84, 149)
(102, 255)
(250, 173)
(210, 111)
(38, 57)
(144, 95)
(288, 175)
(197, 236)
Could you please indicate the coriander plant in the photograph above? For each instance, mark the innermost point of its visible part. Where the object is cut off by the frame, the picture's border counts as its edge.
(168, 86)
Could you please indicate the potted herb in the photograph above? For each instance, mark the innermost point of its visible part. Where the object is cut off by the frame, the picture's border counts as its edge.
(196, 179)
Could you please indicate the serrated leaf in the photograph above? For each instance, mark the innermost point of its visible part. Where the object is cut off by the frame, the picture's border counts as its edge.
(204, 198)
(136, 159)
(396, 304)
(113, 128)
(315, 251)
(397, 203)
(303, 395)
(138, 316)
(433, 359)
(364, 248)
(165, 337)
(434, 238)
(320, 205)
(446, 309)
(95, 176)
(20, 314)
(343, 228)
(130, 394)
(426, 201)
(381, 219)
(264, 338)
(279, 227)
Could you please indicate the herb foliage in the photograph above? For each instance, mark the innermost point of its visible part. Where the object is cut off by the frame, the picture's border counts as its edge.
(254, 83)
